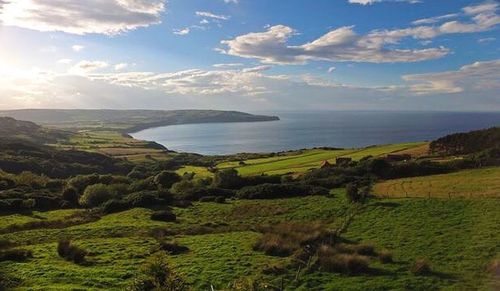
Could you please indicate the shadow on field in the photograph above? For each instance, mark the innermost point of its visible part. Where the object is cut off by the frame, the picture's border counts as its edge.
(386, 204)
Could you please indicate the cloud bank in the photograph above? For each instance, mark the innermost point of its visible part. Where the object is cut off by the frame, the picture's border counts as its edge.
(344, 44)
(107, 17)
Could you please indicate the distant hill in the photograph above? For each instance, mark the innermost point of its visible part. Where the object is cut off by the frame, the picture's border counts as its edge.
(11, 128)
(129, 120)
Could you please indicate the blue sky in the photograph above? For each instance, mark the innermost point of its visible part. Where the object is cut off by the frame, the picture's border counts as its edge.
(250, 54)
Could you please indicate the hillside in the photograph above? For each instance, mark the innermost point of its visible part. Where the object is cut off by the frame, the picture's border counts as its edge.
(11, 128)
(129, 120)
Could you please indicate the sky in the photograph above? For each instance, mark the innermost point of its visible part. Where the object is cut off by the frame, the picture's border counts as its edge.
(250, 55)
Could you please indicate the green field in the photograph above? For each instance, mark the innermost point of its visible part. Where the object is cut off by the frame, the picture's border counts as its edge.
(308, 159)
(469, 183)
(114, 144)
(458, 237)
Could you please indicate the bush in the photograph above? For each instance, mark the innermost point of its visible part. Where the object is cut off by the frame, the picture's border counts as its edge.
(95, 195)
(272, 191)
(142, 199)
(70, 252)
(163, 215)
(157, 275)
(220, 199)
(330, 260)
(16, 255)
(227, 179)
(165, 179)
(285, 238)
(353, 193)
(365, 250)
(114, 205)
(173, 248)
(385, 257)
(70, 194)
(421, 267)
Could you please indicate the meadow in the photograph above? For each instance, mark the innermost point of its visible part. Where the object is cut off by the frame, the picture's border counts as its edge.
(457, 236)
(114, 144)
(305, 160)
(468, 183)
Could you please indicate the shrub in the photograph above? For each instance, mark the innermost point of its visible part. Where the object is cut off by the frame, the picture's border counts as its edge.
(95, 195)
(15, 255)
(285, 238)
(330, 261)
(142, 199)
(163, 215)
(70, 194)
(83, 181)
(54, 184)
(70, 252)
(173, 248)
(158, 275)
(4, 244)
(365, 249)
(6, 183)
(142, 185)
(352, 193)
(227, 179)
(272, 191)
(165, 179)
(421, 267)
(207, 199)
(220, 199)
(114, 205)
(385, 257)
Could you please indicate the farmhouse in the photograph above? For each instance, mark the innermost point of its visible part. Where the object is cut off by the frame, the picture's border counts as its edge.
(325, 164)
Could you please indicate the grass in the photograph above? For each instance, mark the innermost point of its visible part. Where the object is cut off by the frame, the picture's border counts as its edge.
(308, 159)
(469, 183)
(200, 172)
(458, 237)
(114, 144)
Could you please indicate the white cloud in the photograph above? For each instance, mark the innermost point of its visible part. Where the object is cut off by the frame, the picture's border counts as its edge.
(77, 47)
(120, 66)
(65, 61)
(367, 2)
(86, 67)
(479, 76)
(475, 85)
(227, 65)
(232, 1)
(183, 31)
(436, 19)
(482, 17)
(211, 15)
(331, 69)
(344, 44)
(486, 39)
(82, 17)
(341, 44)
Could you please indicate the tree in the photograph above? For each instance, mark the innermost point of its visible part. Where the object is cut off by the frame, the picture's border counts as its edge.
(165, 179)
(95, 195)
(227, 179)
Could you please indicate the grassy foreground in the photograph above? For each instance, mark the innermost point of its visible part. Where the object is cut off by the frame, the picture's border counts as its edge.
(469, 183)
(458, 237)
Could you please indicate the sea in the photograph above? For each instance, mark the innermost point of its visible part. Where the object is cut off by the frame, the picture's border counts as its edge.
(299, 130)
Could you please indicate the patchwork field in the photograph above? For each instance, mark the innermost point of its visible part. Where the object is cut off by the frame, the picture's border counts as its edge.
(308, 159)
(470, 183)
(458, 237)
(116, 145)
